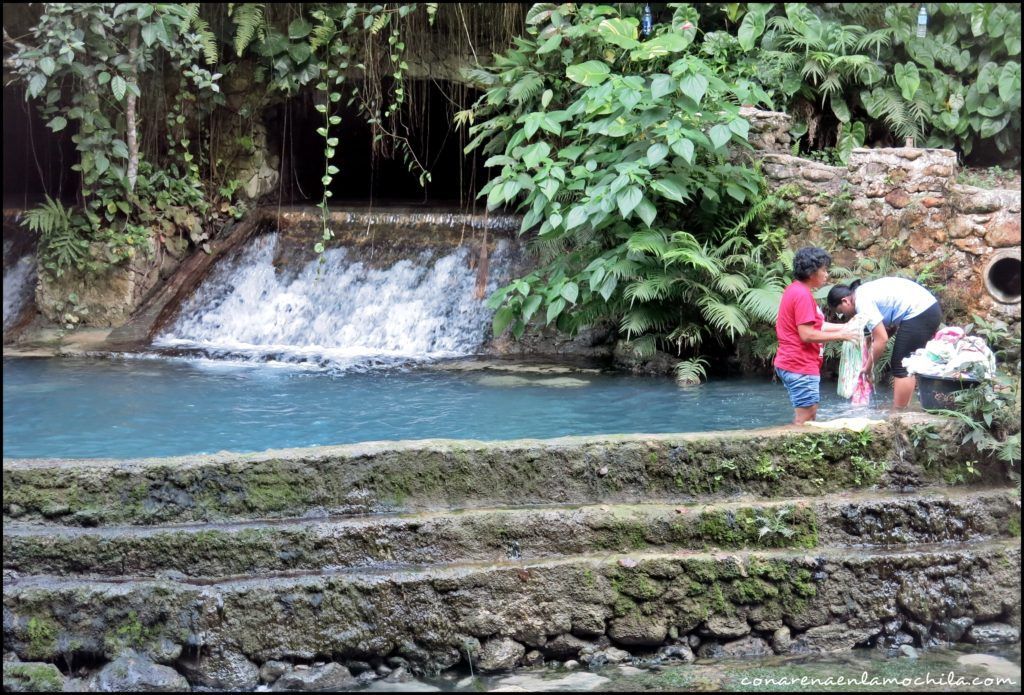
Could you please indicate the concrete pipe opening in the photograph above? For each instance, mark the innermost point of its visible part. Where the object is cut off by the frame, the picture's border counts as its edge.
(1002, 277)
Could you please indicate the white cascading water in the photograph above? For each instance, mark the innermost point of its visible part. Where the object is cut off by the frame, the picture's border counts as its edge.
(340, 313)
(19, 284)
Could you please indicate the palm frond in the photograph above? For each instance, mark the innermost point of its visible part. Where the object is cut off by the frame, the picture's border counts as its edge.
(691, 372)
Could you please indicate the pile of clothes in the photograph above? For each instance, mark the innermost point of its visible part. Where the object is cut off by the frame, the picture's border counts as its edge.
(953, 354)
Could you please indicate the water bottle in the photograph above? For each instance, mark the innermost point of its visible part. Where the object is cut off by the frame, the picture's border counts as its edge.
(922, 22)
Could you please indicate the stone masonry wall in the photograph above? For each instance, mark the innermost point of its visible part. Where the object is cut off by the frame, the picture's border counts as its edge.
(901, 208)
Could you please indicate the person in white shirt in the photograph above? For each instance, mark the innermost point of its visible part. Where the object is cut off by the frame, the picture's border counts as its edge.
(892, 305)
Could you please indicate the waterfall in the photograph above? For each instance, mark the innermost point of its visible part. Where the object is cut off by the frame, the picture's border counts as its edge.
(337, 312)
(19, 286)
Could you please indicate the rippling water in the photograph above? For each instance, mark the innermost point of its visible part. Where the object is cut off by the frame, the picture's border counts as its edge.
(74, 408)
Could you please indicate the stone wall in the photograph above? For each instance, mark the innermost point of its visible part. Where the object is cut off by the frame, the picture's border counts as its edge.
(901, 209)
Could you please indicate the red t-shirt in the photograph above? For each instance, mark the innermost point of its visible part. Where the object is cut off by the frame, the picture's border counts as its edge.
(798, 307)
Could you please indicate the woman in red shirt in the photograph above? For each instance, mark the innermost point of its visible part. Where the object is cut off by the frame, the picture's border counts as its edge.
(802, 332)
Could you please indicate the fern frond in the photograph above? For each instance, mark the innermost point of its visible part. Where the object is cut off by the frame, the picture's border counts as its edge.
(691, 372)
(526, 88)
(728, 318)
(762, 301)
(248, 17)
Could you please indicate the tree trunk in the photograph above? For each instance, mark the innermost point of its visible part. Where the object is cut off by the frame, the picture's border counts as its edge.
(132, 135)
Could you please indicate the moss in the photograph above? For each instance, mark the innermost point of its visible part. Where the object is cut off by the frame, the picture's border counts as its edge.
(32, 678)
(752, 590)
(623, 605)
(623, 534)
(636, 584)
(42, 638)
(1013, 527)
(131, 634)
(803, 583)
(717, 600)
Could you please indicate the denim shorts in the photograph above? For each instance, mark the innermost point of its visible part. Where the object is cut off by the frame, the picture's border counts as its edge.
(803, 388)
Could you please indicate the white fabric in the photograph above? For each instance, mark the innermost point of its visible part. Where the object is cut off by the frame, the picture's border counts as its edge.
(890, 301)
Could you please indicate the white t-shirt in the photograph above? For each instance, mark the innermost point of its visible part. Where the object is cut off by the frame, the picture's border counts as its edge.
(890, 301)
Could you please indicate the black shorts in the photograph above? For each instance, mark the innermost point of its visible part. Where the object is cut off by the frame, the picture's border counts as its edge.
(913, 334)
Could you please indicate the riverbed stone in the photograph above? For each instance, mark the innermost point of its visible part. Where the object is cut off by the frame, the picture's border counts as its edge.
(638, 630)
(747, 647)
(274, 669)
(566, 647)
(955, 628)
(501, 654)
(727, 626)
(31, 677)
(133, 672)
(781, 640)
(224, 669)
(836, 637)
(993, 633)
(680, 652)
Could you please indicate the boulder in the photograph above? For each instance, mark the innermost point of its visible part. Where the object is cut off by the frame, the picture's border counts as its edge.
(32, 677)
(133, 672)
(326, 677)
(639, 630)
(993, 633)
(224, 669)
(501, 654)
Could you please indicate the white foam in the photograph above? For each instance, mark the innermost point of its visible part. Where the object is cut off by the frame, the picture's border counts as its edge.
(340, 314)
(19, 284)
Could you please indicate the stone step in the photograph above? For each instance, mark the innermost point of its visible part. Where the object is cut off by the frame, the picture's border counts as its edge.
(755, 601)
(437, 474)
(427, 538)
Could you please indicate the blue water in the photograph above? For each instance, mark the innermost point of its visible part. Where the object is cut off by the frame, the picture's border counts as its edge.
(123, 408)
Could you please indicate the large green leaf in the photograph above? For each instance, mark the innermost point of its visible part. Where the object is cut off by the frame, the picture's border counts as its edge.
(628, 199)
(118, 86)
(662, 85)
(670, 189)
(752, 26)
(1009, 81)
(588, 74)
(660, 46)
(694, 86)
(684, 148)
(720, 135)
(908, 78)
(299, 28)
(621, 32)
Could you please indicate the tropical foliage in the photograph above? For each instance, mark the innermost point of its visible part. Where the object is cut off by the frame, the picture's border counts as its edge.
(856, 72)
(617, 151)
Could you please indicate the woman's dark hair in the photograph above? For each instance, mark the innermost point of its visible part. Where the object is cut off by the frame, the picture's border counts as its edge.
(841, 292)
(808, 260)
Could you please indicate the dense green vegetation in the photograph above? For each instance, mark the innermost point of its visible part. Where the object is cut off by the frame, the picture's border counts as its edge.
(625, 153)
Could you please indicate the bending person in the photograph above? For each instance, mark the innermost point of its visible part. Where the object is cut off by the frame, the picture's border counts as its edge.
(891, 305)
(802, 332)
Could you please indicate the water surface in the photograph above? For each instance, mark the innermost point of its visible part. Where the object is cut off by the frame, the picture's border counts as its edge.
(122, 408)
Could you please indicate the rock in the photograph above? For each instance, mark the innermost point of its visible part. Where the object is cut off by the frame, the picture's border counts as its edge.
(898, 199)
(533, 658)
(907, 651)
(330, 676)
(710, 650)
(501, 654)
(225, 670)
(836, 637)
(588, 622)
(955, 628)
(781, 640)
(638, 630)
(272, 670)
(1004, 233)
(132, 672)
(565, 647)
(727, 626)
(681, 652)
(163, 651)
(746, 647)
(571, 664)
(694, 641)
(993, 633)
(32, 677)
(613, 655)
(357, 667)
(399, 675)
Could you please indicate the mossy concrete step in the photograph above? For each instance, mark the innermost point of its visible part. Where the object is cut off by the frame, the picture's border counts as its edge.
(434, 617)
(390, 476)
(947, 515)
